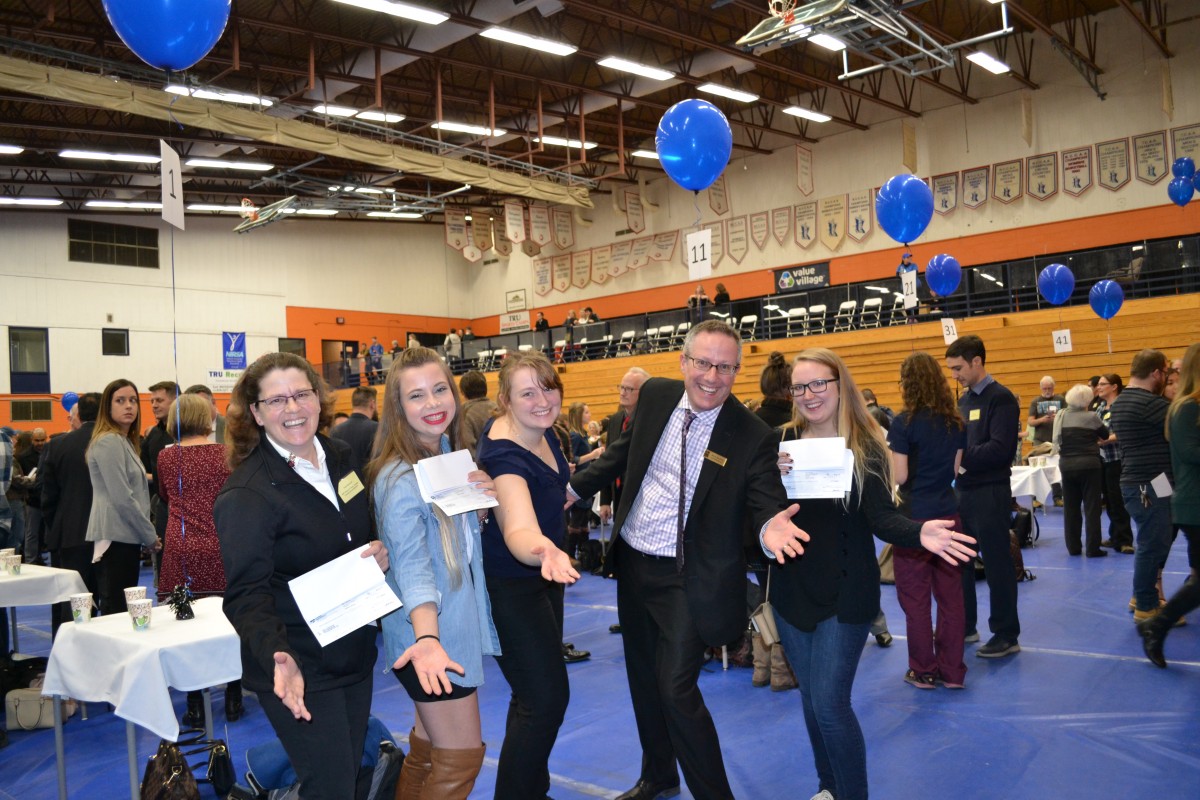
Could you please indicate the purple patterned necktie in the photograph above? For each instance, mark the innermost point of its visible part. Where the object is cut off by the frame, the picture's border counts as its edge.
(688, 418)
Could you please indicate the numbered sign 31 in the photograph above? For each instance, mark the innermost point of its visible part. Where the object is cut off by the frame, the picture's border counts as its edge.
(949, 331)
(699, 254)
(1062, 340)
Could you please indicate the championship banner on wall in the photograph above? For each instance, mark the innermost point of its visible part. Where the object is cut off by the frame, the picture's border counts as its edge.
(481, 229)
(1006, 181)
(561, 270)
(472, 253)
(831, 228)
(601, 259)
(781, 223)
(530, 248)
(718, 242)
(514, 221)
(663, 248)
(456, 227)
(635, 215)
(804, 170)
(1112, 164)
(738, 244)
(1077, 170)
(806, 224)
(975, 187)
(1185, 142)
(800, 279)
(542, 279)
(718, 196)
(1150, 156)
(620, 258)
(945, 193)
(639, 256)
(861, 203)
(1041, 175)
(564, 228)
(501, 243)
(539, 225)
(760, 229)
(581, 269)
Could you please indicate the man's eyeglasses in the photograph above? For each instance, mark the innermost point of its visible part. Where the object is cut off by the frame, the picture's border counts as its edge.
(819, 386)
(280, 401)
(704, 366)
(628, 389)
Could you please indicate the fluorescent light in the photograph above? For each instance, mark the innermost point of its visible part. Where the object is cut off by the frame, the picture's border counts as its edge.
(395, 214)
(311, 212)
(213, 163)
(634, 68)
(140, 205)
(560, 142)
(995, 2)
(828, 42)
(815, 116)
(367, 190)
(11, 150)
(98, 156)
(645, 154)
(402, 10)
(346, 111)
(992, 65)
(525, 40)
(459, 127)
(221, 209)
(379, 116)
(29, 201)
(216, 94)
(725, 91)
(335, 111)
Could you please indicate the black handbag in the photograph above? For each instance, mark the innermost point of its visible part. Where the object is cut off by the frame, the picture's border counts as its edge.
(168, 776)
(218, 770)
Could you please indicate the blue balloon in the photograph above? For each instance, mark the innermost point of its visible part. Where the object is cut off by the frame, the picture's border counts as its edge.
(68, 401)
(693, 141)
(1183, 167)
(1056, 282)
(904, 207)
(169, 34)
(1106, 298)
(943, 274)
(1180, 191)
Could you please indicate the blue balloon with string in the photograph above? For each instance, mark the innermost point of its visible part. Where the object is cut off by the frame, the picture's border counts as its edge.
(693, 142)
(904, 207)
(1106, 298)
(169, 34)
(1056, 282)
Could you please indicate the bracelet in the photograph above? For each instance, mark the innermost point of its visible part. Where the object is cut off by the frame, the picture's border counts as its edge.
(428, 636)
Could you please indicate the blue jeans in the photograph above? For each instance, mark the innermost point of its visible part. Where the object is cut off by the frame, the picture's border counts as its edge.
(825, 662)
(1153, 541)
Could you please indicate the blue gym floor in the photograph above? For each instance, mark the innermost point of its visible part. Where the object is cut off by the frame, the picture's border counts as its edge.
(1079, 713)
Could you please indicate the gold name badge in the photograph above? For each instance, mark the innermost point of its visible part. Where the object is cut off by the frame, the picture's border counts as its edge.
(349, 486)
(974, 415)
(716, 458)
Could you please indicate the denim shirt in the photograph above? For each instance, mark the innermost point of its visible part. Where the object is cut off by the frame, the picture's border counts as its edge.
(418, 574)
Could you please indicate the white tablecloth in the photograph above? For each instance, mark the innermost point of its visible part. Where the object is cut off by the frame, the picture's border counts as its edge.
(106, 660)
(38, 586)
(1034, 481)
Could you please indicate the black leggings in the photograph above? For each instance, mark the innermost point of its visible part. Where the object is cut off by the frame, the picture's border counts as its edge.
(118, 570)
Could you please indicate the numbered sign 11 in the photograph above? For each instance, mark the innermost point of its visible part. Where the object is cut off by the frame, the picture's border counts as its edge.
(699, 254)
(1062, 340)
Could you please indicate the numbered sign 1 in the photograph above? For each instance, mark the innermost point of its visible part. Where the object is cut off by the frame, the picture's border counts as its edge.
(699, 254)
(949, 330)
(1062, 340)
(172, 186)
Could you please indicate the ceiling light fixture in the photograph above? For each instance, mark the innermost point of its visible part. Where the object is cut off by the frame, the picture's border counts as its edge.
(992, 65)
(134, 204)
(634, 68)
(402, 10)
(216, 94)
(831, 43)
(312, 212)
(335, 111)
(395, 215)
(725, 91)
(94, 155)
(380, 116)
(29, 201)
(220, 209)
(11, 150)
(525, 40)
(815, 116)
(560, 142)
(245, 166)
(460, 127)
(645, 154)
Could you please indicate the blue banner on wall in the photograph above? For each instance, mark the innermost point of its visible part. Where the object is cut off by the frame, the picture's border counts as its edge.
(233, 350)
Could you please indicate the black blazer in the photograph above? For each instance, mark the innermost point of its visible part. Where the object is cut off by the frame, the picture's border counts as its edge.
(273, 526)
(749, 488)
(67, 488)
(611, 493)
(359, 432)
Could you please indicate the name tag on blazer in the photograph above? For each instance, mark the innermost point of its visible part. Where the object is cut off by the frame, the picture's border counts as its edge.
(349, 487)
(716, 458)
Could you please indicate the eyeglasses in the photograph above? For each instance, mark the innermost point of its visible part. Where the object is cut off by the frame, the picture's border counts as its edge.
(704, 366)
(819, 386)
(280, 401)
(628, 389)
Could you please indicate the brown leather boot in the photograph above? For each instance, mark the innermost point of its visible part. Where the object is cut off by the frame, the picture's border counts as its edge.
(417, 766)
(782, 678)
(454, 773)
(762, 662)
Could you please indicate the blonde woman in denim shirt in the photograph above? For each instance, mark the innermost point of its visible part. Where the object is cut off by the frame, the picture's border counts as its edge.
(437, 641)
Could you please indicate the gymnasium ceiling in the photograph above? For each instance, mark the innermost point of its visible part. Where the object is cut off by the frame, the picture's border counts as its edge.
(301, 53)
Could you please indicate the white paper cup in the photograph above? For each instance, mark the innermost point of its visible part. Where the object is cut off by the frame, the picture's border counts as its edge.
(8, 551)
(12, 564)
(135, 593)
(81, 607)
(139, 612)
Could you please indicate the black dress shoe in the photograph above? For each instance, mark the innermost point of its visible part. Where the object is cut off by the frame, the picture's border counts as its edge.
(644, 790)
(614, 628)
(573, 656)
(883, 639)
(1098, 554)
(1152, 641)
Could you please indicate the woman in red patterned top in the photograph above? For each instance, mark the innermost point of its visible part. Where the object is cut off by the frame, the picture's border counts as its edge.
(190, 475)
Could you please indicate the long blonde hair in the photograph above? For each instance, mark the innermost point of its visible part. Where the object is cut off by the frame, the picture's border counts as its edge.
(1189, 384)
(855, 424)
(395, 440)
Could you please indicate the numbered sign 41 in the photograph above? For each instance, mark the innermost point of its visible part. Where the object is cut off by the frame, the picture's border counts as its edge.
(1062, 340)
(699, 254)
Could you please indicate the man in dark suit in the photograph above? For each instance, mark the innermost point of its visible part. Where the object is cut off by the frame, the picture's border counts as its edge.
(359, 430)
(627, 398)
(679, 563)
(67, 501)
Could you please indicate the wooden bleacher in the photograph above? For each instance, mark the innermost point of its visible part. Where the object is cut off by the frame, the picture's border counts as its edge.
(1020, 352)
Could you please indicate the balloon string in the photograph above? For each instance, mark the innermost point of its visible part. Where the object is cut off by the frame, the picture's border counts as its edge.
(187, 580)
(171, 105)
(696, 205)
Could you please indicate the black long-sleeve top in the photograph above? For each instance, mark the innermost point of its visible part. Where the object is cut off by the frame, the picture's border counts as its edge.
(993, 418)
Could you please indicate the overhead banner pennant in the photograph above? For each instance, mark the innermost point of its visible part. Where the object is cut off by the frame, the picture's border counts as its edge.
(1006, 181)
(832, 224)
(539, 225)
(861, 203)
(639, 255)
(530, 248)
(1112, 164)
(456, 227)
(718, 196)
(975, 187)
(472, 253)
(1041, 175)
(806, 224)
(663, 247)
(635, 216)
(804, 170)
(781, 223)
(601, 260)
(581, 269)
(561, 270)
(481, 229)
(1150, 157)
(738, 243)
(760, 229)
(543, 280)
(1077, 170)
(503, 246)
(945, 193)
(514, 221)
(564, 228)
(718, 241)
(1185, 142)
(620, 258)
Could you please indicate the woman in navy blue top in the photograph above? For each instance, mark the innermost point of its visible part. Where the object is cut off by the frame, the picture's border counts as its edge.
(927, 441)
(525, 568)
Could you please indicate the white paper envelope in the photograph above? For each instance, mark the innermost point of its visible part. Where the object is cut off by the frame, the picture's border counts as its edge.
(816, 453)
